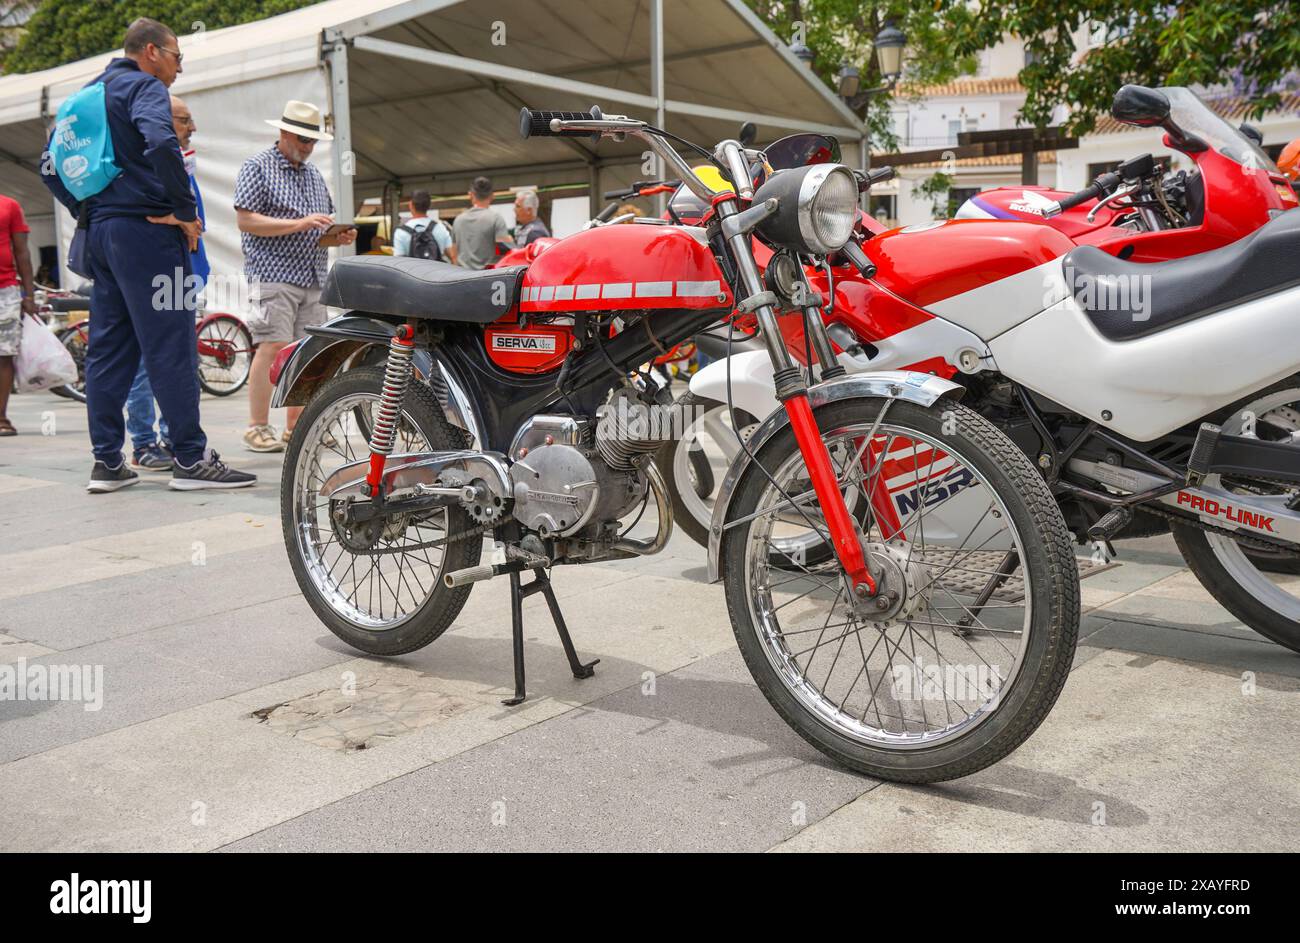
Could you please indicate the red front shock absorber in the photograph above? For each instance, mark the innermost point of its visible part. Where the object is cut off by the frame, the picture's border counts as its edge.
(843, 531)
(383, 430)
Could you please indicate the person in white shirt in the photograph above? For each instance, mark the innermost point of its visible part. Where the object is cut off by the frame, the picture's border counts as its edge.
(437, 246)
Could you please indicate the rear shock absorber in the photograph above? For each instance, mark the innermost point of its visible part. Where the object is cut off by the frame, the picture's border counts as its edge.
(397, 377)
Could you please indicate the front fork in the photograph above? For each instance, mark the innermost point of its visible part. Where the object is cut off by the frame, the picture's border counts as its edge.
(792, 391)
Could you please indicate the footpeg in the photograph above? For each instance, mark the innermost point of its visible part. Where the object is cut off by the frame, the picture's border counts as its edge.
(1110, 524)
(1207, 441)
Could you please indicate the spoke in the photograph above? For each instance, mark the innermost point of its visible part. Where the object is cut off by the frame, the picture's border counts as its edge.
(807, 669)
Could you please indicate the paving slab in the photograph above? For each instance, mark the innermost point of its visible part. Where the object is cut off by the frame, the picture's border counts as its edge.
(1139, 754)
(702, 764)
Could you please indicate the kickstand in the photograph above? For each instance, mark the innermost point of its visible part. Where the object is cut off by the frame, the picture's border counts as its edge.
(518, 593)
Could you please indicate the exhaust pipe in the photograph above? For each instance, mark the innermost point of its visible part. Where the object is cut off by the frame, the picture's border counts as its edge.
(664, 506)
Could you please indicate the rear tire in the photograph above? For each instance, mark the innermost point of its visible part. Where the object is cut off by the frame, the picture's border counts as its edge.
(1228, 592)
(422, 415)
(1280, 623)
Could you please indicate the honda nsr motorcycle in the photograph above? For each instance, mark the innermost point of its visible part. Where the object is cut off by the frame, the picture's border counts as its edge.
(504, 408)
(1117, 377)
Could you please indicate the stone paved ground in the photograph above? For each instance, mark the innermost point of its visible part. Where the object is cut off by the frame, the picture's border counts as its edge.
(223, 726)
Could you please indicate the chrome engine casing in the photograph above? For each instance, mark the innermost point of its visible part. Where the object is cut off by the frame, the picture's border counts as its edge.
(561, 486)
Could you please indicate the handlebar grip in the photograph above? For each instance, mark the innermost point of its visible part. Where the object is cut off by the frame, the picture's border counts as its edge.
(608, 212)
(1090, 192)
(622, 194)
(537, 124)
(1104, 184)
(872, 177)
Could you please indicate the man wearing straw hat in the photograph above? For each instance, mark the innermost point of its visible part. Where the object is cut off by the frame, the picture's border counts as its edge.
(284, 212)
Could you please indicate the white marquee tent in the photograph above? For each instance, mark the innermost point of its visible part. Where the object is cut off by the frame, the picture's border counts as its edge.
(427, 93)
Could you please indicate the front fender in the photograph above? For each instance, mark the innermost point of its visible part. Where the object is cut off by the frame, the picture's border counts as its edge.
(328, 349)
(923, 389)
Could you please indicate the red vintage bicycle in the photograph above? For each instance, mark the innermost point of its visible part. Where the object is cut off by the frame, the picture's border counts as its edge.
(224, 342)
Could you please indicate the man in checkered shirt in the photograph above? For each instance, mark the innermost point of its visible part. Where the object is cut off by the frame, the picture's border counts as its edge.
(283, 209)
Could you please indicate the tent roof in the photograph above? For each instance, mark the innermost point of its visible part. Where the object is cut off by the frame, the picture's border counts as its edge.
(435, 86)
(717, 52)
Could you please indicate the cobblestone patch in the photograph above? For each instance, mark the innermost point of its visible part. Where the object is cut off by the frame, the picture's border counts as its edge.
(363, 713)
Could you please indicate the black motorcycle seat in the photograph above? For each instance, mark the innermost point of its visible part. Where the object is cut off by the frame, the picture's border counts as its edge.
(1126, 300)
(422, 288)
(71, 303)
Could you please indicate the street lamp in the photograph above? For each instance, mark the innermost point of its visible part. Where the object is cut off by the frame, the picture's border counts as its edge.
(803, 54)
(889, 45)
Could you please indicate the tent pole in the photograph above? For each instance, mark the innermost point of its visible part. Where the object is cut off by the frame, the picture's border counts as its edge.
(336, 55)
(657, 83)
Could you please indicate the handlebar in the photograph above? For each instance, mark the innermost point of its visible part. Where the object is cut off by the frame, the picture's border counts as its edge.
(1104, 184)
(642, 188)
(538, 124)
(535, 123)
(874, 176)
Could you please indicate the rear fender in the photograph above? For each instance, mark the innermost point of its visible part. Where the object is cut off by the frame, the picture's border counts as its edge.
(346, 342)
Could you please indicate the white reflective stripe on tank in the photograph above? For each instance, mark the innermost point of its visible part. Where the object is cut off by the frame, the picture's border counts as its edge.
(621, 290)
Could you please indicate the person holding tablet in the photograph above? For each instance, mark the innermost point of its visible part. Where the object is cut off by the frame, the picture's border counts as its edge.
(286, 217)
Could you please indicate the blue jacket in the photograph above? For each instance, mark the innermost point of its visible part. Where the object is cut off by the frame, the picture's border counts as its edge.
(199, 257)
(153, 181)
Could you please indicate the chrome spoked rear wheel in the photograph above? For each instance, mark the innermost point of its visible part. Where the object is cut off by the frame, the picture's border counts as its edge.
(377, 583)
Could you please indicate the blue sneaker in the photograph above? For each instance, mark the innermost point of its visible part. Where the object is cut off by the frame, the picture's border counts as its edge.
(152, 458)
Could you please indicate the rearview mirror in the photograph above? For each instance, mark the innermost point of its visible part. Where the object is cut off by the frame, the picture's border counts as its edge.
(1140, 106)
(801, 150)
(748, 133)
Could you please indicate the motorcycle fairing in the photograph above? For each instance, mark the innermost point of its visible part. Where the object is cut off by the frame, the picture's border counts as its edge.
(1152, 385)
(754, 391)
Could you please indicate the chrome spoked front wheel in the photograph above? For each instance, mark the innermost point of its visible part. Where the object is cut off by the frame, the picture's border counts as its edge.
(964, 649)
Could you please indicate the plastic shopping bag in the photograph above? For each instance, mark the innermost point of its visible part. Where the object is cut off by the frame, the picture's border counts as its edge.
(43, 362)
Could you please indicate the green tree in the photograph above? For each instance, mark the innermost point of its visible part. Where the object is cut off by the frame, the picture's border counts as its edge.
(62, 31)
(13, 20)
(1254, 44)
(841, 32)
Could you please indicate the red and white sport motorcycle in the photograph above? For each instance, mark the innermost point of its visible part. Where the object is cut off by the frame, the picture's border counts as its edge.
(504, 408)
(1153, 396)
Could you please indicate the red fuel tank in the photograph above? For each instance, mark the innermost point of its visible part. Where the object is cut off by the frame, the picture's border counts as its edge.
(932, 261)
(629, 266)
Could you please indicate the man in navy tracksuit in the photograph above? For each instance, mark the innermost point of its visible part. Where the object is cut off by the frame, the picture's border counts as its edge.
(142, 228)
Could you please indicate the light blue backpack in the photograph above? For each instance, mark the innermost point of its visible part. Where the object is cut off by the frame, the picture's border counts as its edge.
(81, 147)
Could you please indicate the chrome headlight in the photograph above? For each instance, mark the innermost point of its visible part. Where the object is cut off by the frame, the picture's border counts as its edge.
(816, 208)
